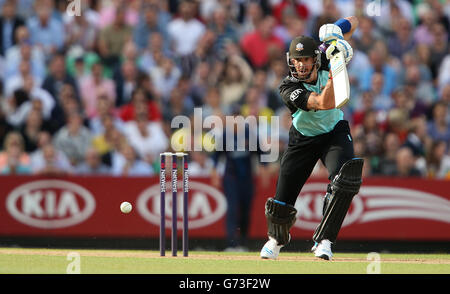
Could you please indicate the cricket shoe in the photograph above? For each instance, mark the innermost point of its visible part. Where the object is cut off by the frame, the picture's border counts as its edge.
(271, 249)
(323, 250)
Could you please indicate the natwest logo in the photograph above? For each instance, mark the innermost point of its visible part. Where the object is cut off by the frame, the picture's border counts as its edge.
(50, 204)
(206, 205)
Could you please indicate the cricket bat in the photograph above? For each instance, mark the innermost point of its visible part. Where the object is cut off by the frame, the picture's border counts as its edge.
(341, 84)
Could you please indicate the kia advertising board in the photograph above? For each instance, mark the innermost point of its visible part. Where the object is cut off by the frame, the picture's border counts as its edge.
(384, 209)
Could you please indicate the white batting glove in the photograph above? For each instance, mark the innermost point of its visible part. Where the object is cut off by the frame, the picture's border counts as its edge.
(342, 46)
(330, 32)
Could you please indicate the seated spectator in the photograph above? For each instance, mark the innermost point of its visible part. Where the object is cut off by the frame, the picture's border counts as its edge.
(235, 81)
(17, 108)
(113, 37)
(402, 41)
(165, 76)
(378, 57)
(223, 29)
(49, 162)
(45, 30)
(185, 31)
(105, 113)
(438, 161)
(381, 101)
(439, 127)
(147, 138)
(150, 22)
(9, 23)
(439, 49)
(254, 107)
(108, 143)
(25, 54)
(94, 86)
(269, 98)
(386, 164)
(57, 77)
(261, 45)
(14, 154)
(30, 131)
(201, 165)
(128, 163)
(92, 164)
(140, 99)
(125, 81)
(73, 139)
(13, 164)
(405, 164)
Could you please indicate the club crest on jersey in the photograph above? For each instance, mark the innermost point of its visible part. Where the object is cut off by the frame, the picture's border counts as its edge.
(299, 47)
(294, 95)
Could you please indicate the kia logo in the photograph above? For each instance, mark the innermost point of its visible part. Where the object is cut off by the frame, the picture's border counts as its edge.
(50, 204)
(373, 203)
(309, 206)
(206, 205)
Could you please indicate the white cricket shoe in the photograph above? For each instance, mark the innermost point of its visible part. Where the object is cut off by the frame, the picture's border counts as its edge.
(323, 250)
(271, 249)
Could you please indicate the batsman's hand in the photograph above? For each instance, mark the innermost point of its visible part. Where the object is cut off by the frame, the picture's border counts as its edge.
(330, 32)
(342, 46)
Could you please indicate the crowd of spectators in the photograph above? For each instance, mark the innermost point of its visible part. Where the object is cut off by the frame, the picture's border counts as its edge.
(91, 86)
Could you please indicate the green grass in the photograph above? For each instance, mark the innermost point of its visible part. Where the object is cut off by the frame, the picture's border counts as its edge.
(49, 261)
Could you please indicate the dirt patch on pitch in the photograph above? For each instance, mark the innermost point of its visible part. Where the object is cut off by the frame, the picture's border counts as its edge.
(193, 255)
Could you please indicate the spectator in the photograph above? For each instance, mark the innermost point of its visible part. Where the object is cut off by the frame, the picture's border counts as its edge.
(150, 23)
(57, 77)
(94, 86)
(45, 30)
(253, 15)
(92, 164)
(438, 162)
(152, 55)
(33, 126)
(113, 37)
(405, 164)
(261, 45)
(387, 161)
(140, 99)
(269, 97)
(14, 155)
(73, 139)
(201, 164)
(185, 31)
(128, 164)
(366, 35)
(125, 81)
(165, 77)
(402, 41)
(379, 63)
(49, 162)
(147, 138)
(17, 108)
(223, 29)
(427, 18)
(381, 101)
(9, 23)
(439, 127)
(105, 111)
(236, 79)
(253, 106)
(439, 47)
(81, 31)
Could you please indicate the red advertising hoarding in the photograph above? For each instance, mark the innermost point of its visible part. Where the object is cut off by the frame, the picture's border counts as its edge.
(385, 208)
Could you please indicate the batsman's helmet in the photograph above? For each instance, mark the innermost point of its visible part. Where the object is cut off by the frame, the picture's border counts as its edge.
(303, 46)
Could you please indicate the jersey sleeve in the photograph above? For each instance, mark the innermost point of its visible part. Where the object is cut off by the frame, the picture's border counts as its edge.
(294, 96)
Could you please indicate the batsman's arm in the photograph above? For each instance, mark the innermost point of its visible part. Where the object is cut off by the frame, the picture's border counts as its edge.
(324, 100)
(354, 23)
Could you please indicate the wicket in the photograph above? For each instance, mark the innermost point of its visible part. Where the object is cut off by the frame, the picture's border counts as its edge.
(162, 182)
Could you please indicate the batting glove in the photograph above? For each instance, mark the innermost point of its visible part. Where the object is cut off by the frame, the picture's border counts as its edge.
(330, 32)
(342, 46)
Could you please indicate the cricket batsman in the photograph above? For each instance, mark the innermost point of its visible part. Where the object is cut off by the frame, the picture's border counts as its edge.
(318, 131)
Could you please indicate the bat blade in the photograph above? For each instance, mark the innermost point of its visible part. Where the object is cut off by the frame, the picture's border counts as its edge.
(341, 84)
